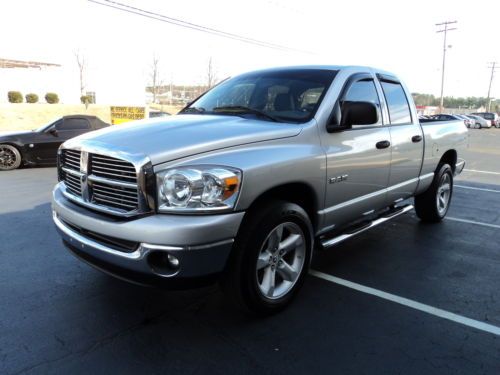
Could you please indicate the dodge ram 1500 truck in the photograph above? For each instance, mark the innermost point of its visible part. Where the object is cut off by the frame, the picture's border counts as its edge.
(244, 182)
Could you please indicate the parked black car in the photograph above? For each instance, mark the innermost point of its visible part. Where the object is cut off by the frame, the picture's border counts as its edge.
(39, 147)
(156, 114)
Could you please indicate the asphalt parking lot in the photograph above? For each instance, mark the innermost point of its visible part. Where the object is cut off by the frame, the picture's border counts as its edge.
(403, 298)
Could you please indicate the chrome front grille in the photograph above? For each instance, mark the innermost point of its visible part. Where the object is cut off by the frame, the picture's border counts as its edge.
(73, 184)
(101, 182)
(112, 168)
(120, 197)
(70, 160)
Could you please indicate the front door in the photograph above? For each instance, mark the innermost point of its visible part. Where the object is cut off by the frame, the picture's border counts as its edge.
(358, 161)
(66, 128)
(45, 148)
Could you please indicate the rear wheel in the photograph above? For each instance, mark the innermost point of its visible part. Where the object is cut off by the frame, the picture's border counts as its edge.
(433, 204)
(10, 158)
(271, 258)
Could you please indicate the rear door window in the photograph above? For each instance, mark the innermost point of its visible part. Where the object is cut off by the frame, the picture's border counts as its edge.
(399, 109)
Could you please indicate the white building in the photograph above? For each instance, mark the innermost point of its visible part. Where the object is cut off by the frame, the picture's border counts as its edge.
(112, 83)
(30, 77)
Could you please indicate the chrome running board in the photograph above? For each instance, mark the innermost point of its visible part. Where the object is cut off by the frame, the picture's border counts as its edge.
(382, 219)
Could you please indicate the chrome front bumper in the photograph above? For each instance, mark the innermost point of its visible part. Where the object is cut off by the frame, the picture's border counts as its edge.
(201, 244)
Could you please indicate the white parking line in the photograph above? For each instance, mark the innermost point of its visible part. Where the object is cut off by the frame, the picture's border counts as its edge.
(410, 303)
(472, 222)
(476, 188)
(476, 171)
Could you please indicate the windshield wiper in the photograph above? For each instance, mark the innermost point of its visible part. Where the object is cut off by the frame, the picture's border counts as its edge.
(239, 109)
(193, 110)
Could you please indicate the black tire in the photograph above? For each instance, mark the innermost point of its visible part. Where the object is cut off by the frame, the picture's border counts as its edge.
(10, 158)
(428, 205)
(241, 279)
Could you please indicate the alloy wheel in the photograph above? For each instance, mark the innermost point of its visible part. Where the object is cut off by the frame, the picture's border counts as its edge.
(281, 260)
(7, 157)
(443, 194)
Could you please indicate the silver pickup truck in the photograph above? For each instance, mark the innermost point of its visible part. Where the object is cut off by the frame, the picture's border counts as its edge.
(248, 179)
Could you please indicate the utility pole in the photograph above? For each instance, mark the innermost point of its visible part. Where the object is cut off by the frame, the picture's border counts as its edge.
(445, 31)
(171, 88)
(493, 64)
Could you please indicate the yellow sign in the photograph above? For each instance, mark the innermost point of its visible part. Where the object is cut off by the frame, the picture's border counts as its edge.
(119, 115)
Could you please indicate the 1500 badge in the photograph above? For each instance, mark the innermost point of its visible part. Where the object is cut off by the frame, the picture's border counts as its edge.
(333, 180)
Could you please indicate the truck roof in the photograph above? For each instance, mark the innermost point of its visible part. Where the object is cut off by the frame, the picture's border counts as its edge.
(326, 67)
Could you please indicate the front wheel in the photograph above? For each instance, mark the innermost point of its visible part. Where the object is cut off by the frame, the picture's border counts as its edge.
(271, 257)
(433, 204)
(10, 158)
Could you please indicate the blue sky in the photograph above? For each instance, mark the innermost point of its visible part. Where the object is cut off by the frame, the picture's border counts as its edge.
(398, 36)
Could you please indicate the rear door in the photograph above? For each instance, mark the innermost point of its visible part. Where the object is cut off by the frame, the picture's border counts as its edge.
(358, 160)
(407, 140)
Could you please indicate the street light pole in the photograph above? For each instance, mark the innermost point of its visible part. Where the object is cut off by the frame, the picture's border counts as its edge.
(445, 31)
(488, 100)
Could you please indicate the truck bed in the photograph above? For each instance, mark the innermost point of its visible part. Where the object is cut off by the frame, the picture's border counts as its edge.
(440, 136)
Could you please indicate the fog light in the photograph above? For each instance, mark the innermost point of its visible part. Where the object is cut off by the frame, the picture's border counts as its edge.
(163, 264)
(173, 261)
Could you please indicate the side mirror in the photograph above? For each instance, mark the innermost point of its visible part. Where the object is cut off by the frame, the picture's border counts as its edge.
(358, 113)
(353, 113)
(54, 132)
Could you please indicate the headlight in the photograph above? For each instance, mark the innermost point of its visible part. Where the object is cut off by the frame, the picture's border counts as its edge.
(195, 189)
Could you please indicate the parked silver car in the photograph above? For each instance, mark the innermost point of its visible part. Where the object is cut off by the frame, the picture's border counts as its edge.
(479, 122)
(490, 117)
(241, 185)
(468, 121)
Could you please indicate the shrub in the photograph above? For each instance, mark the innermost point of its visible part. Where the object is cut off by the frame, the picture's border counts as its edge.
(31, 98)
(51, 98)
(15, 97)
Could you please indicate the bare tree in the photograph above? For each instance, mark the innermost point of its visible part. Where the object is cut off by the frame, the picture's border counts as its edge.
(82, 67)
(211, 74)
(154, 77)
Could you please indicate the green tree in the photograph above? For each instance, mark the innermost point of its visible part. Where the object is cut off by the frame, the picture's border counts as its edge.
(470, 102)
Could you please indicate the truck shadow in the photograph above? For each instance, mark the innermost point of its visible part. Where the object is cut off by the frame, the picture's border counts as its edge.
(60, 315)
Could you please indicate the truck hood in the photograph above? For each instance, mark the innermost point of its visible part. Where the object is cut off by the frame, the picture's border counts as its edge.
(176, 137)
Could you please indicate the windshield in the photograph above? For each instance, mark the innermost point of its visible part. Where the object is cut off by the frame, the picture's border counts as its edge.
(46, 126)
(291, 95)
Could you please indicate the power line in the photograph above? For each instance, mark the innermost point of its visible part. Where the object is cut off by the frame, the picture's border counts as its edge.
(493, 70)
(445, 31)
(189, 25)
